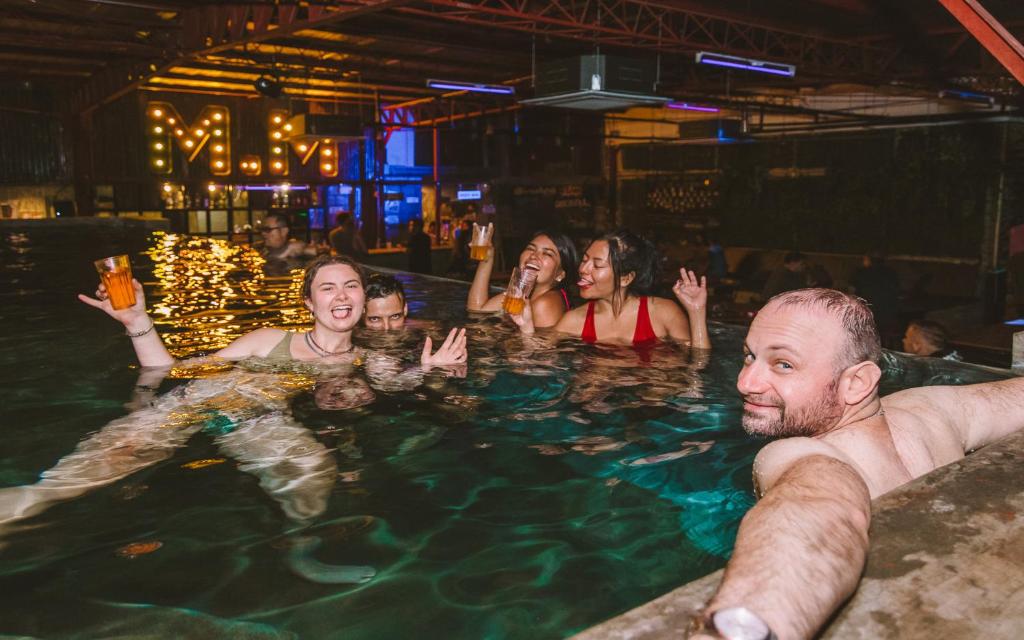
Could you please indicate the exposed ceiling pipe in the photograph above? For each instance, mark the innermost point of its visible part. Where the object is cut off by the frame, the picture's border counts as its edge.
(846, 127)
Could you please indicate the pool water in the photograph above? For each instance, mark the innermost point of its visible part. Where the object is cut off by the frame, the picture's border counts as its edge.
(548, 489)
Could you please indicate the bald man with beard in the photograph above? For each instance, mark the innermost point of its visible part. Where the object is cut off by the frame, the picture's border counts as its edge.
(810, 378)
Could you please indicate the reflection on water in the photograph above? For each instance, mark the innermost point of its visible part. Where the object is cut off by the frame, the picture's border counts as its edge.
(553, 486)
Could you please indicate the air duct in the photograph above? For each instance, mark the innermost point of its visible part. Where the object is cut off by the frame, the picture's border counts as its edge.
(596, 83)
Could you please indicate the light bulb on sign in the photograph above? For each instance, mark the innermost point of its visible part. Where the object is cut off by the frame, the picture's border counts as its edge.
(158, 129)
(157, 113)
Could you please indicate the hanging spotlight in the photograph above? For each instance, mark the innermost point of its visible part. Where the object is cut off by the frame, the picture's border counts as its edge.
(269, 86)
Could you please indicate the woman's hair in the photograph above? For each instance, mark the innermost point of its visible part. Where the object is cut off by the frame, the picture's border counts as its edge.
(568, 257)
(323, 261)
(629, 253)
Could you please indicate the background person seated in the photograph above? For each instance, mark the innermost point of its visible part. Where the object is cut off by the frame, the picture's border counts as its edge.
(928, 338)
(792, 275)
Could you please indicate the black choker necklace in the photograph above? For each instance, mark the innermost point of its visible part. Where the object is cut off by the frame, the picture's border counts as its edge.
(320, 351)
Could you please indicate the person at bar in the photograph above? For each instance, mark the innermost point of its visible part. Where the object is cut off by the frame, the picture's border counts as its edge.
(616, 275)
(552, 255)
(418, 249)
(810, 378)
(277, 245)
(346, 240)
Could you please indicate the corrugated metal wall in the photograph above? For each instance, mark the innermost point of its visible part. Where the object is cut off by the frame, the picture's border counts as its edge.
(32, 149)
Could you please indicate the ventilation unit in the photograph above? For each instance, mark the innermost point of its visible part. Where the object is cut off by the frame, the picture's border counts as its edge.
(596, 83)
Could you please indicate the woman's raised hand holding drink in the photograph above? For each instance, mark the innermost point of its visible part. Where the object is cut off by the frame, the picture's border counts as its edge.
(116, 275)
(480, 242)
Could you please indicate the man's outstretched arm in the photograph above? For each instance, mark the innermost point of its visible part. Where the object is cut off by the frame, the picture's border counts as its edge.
(800, 551)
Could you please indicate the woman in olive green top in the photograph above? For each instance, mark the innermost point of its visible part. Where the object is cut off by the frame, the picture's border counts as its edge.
(332, 290)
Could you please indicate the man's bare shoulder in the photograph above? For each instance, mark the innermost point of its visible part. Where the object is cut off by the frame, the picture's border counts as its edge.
(778, 456)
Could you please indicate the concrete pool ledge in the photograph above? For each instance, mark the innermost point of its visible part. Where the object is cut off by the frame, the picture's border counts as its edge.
(151, 224)
(946, 561)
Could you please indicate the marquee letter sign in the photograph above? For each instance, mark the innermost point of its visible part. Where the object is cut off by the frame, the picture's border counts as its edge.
(165, 124)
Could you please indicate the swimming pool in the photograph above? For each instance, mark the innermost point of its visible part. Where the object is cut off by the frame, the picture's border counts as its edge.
(547, 490)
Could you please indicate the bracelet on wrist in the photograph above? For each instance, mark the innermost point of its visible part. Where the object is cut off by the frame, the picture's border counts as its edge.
(139, 334)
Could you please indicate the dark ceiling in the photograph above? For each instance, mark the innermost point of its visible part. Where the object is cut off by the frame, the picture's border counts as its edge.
(363, 51)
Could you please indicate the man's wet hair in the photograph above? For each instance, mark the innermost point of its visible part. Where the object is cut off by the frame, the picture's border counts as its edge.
(381, 285)
(933, 333)
(862, 340)
(793, 256)
(630, 253)
(320, 263)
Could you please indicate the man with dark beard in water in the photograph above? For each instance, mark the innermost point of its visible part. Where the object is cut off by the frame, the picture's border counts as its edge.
(810, 377)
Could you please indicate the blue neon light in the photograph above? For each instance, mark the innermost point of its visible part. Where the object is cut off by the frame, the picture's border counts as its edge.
(469, 195)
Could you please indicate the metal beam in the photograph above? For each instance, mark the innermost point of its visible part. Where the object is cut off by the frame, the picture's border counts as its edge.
(667, 27)
(992, 35)
(214, 28)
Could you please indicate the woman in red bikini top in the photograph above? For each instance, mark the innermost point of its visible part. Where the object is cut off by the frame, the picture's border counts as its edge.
(616, 271)
(553, 255)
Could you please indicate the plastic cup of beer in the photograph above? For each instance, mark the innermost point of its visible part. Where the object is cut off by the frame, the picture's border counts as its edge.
(479, 246)
(116, 275)
(519, 289)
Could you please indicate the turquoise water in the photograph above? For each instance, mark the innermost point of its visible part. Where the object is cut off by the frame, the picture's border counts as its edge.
(545, 491)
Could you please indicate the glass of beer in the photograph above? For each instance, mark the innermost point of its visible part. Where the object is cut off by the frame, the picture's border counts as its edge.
(519, 289)
(116, 274)
(479, 244)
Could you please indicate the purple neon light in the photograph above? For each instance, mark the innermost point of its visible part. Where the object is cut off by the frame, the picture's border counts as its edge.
(720, 60)
(271, 187)
(691, 107)
(476, 88)
(748, 67)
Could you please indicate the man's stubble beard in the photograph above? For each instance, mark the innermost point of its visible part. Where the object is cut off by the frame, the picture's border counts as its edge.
(820, 416)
